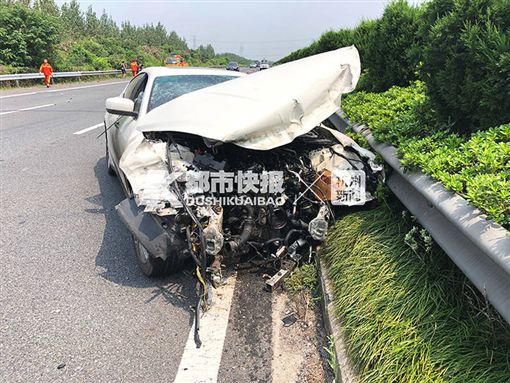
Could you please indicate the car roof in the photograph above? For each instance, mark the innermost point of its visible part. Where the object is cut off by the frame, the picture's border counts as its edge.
(164, 71)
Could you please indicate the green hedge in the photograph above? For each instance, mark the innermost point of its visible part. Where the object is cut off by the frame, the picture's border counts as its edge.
(477, 166)
(459, 48)
(387, 46)
(392, 52)
(466, 63)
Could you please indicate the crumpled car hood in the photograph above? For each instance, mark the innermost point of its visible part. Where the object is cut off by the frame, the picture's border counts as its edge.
(266, 109)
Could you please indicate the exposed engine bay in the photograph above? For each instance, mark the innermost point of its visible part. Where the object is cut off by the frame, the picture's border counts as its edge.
(301, 212)
(276, 222)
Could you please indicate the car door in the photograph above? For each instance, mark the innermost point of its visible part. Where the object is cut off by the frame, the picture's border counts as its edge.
(122, 127)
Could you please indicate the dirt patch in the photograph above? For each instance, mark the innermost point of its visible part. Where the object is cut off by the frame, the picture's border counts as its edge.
(298, 341)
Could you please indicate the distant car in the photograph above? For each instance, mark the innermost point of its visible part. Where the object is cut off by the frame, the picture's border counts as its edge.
(253, 65)
(233, 66)
(264, 65)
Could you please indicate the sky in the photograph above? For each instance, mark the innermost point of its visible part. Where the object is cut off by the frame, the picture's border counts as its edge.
(255, 29)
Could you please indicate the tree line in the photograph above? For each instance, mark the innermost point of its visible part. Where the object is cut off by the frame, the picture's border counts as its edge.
(73, 39)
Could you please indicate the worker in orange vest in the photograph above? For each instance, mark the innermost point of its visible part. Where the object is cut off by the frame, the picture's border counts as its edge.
(47, 71)
(134, 67)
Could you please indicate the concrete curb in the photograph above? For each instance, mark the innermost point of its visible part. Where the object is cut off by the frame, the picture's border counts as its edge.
(344, 372)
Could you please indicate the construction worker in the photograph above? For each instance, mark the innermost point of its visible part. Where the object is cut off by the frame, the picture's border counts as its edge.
(47, 71)
(134, 67)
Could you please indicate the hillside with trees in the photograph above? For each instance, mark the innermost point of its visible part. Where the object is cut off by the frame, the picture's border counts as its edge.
(73, 39)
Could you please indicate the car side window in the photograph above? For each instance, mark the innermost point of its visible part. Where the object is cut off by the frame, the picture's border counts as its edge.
(136, 86)
(138, 100)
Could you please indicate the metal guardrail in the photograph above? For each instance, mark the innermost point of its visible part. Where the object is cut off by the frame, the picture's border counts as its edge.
(479, 247)
(34, 76)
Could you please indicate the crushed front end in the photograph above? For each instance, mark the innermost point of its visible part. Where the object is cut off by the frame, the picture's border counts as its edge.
(219, 203)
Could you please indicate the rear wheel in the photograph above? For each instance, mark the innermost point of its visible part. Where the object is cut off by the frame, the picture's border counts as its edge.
(154, 267)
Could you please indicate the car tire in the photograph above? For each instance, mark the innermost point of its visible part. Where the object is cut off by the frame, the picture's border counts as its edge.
(156, 267)
(110, 169)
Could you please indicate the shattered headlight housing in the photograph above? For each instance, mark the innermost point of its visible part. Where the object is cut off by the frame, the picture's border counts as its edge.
(318, 227)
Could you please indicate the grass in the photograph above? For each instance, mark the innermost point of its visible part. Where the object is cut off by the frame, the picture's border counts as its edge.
(408, 313)
(332, 360)
(475, 166)
(302, 279)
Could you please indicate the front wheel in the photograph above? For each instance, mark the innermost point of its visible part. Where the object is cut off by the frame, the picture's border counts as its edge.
(109, 164)
(155, 267)
(111, 170)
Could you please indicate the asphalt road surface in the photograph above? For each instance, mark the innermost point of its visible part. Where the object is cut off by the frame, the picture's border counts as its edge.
(74, 306)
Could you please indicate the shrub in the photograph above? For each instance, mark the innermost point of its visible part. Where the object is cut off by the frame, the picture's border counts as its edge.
(459, 48)
(382, 112)
(27, 36)
(390, 55)
(387, 46)
(85, 54)
(475, 167)
(466, 63)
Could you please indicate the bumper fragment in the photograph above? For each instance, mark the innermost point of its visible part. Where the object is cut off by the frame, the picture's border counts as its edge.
(144, 228)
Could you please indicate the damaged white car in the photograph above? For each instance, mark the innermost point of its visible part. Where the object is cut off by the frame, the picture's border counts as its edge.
(217, 165)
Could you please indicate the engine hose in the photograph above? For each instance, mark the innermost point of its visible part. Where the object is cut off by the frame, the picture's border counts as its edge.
(261, 245)
(297, 223)
(290, 234)
(249, 224)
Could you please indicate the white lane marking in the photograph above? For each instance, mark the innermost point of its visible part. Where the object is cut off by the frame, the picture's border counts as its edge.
(19, 94)
(203, 364)
(63, 89)
(85, 86)
(25, 109)
(89, 129)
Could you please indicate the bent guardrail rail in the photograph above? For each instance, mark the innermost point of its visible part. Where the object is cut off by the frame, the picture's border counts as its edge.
(478, 246)
(35, 76)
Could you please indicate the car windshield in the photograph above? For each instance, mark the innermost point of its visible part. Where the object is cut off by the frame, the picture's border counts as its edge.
(166, 88)
(232, 64)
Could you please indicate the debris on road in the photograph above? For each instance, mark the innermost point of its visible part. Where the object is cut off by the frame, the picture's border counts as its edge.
(289, 320)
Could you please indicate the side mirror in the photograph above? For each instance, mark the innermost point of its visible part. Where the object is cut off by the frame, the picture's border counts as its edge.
(121, 106)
